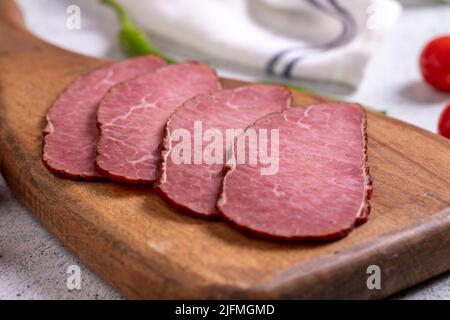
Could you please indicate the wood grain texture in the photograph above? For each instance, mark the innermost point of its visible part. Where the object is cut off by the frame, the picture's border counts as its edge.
(135, 241)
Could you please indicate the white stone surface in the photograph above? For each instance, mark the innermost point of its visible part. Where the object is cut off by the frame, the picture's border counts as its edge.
(33, 263)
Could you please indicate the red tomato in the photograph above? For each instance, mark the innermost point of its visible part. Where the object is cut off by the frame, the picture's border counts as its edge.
(435, 63)
(444, 122)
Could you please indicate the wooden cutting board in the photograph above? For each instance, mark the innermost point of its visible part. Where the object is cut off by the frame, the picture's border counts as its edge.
(136, 242)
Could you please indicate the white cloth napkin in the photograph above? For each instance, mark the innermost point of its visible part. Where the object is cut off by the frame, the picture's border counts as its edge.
(325, 40)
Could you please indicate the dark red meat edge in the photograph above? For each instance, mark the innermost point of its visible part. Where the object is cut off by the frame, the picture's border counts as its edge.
(182, 209)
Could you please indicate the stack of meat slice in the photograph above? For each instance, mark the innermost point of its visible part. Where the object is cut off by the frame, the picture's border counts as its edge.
(139, 121)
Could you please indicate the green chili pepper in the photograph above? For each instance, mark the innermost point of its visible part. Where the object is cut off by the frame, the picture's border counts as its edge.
(133, 41)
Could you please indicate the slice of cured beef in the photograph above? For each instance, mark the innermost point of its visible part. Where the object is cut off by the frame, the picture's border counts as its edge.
(132, 117)
(71, 133)
(322, 187)
(193, 184)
